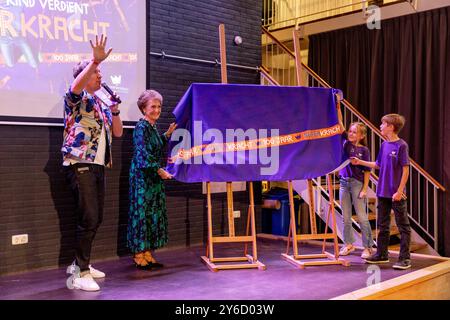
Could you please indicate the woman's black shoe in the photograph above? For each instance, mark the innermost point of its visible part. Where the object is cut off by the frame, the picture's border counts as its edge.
(141, 267)
(156, 265)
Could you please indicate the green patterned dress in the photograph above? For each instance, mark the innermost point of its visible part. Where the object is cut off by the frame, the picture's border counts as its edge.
(147, 216)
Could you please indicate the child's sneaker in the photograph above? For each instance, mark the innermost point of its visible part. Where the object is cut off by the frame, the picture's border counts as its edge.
(96, 274)
(73, 268)
(376, 259)
(367, 252)
(346, 250)
(86, 283)
(402, 264)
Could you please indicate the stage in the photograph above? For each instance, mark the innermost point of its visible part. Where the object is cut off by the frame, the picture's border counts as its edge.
(185, 277)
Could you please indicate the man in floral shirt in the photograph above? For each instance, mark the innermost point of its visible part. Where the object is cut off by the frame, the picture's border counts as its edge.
(89, 125)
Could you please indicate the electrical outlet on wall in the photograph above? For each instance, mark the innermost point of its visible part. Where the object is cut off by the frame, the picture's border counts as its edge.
(19, 239)
(236, 214)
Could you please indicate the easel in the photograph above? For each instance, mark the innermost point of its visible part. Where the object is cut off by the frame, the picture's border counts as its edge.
(295, 258)
(209, 259)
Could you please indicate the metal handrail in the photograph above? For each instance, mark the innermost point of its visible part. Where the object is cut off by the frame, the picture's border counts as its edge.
(425, 220)
(278, 42)
(349, 106)
(362, 3)
(373, 177)
(266, 73)
(377, 131)
(323, 11)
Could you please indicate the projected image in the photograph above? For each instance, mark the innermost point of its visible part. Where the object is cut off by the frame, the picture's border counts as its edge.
(41, 41)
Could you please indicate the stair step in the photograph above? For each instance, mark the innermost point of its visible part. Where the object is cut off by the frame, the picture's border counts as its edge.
(394, 239)
(335, 186)
(393, 232)
(414, 246)
(372, 216)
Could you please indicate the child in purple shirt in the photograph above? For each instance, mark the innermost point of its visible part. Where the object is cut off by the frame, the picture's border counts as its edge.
(393, 163)
(353, 181)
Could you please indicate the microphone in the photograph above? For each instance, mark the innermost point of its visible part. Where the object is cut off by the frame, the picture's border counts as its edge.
(111, 93)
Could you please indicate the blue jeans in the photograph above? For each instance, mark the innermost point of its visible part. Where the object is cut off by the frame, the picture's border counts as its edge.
(349, 191)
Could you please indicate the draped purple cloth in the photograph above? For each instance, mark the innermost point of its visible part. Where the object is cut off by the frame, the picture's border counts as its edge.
(279, 133)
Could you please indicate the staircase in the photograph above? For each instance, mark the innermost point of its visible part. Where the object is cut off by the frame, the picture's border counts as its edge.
(280, 68)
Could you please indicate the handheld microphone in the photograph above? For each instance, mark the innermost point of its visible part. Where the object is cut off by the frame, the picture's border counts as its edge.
(111, 93)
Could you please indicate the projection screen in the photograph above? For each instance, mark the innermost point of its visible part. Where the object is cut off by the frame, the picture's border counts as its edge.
(41, 41)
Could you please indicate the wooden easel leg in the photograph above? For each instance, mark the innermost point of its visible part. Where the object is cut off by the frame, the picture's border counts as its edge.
(327, 221)
(312, 210)
(289, 239)
(333, 216)
(253, 224)
(231, 230)
(210, 235)
(293, 226)
(247, 229)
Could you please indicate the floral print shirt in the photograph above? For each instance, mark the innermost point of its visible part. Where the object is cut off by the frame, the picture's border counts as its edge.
(84, 118)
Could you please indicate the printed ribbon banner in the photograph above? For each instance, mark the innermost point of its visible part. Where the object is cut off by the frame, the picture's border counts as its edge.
(230, 132)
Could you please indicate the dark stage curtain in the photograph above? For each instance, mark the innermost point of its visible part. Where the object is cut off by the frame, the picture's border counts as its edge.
(404, 67)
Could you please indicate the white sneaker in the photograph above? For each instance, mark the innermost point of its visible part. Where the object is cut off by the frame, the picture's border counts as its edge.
(346, 250)
(86, 283)
(73, 268)
(367, 252)
(96, 274)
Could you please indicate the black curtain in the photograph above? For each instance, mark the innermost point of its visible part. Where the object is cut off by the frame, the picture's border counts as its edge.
(404, 67)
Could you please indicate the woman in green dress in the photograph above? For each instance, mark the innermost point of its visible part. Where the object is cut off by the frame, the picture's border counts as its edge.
(147, 219)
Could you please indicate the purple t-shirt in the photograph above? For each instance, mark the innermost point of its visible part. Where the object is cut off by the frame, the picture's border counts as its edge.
(360, 152)
(392, 158)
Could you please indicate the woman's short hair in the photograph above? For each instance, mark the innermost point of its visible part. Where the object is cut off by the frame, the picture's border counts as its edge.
(146, 96)
(80, 67)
